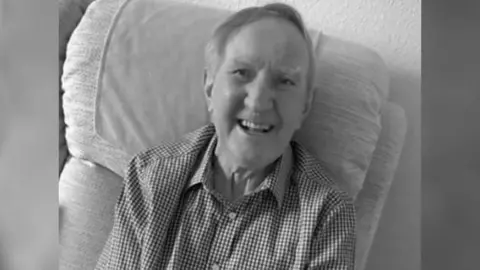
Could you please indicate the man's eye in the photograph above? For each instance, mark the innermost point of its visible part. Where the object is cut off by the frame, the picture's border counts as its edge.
(287, 81)
(240, 72)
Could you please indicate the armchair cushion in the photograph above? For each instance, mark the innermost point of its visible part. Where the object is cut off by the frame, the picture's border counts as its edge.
(161, 97)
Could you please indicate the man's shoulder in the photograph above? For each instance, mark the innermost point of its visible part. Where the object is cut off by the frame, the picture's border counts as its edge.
(187, 146)
(315, 182)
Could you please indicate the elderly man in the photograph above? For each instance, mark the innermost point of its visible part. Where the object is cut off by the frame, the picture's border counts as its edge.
(239, 193)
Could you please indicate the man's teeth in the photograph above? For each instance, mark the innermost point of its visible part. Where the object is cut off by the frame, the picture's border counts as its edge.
(255, 126)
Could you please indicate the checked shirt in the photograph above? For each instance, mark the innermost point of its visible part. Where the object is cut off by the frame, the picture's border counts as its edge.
(169, 215)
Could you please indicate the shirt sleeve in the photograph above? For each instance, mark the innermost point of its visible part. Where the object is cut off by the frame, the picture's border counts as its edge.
(123, 248)
(333, 246)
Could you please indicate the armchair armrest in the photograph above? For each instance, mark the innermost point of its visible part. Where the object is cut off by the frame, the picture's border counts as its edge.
(371, 199)
(70, 13)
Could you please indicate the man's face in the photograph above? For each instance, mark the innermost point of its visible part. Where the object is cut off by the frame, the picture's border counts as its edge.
(258, 97)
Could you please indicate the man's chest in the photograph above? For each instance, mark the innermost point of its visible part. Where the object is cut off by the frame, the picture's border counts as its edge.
(255, 234)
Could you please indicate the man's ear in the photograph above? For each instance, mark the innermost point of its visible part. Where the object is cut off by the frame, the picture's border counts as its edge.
(208, 86)
(309, 102)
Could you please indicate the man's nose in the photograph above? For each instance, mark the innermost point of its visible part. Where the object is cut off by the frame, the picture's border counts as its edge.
(260, 94)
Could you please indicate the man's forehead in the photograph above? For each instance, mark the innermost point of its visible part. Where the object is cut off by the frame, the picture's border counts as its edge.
(274, 39)
(283, 50)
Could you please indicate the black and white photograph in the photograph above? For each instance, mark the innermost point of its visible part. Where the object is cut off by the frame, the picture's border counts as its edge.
(239, 134)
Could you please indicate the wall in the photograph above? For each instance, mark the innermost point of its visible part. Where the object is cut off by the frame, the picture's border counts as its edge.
(392, 28)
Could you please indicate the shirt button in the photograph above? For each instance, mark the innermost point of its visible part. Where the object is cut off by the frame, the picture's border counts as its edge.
(215, 267)
(232, 216)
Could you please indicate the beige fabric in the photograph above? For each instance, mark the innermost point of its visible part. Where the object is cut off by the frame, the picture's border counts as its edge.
(87, 194)
(70, 12)
(371, 199)
(343, 127)
(79, 89)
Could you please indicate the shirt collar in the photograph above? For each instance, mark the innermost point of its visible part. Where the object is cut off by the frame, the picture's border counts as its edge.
(276, 181)
(204, 170)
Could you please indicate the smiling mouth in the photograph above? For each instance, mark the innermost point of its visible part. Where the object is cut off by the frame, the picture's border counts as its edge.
(254, 128)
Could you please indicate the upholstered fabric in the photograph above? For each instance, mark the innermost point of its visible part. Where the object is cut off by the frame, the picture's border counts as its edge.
(88, 193)
(70, 13)
(80, 71)
(344, 125)
(371, 199)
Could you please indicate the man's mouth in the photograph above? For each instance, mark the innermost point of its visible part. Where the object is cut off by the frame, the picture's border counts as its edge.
(255, 128)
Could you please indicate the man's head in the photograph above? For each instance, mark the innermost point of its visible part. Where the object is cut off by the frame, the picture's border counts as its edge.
(259, 82)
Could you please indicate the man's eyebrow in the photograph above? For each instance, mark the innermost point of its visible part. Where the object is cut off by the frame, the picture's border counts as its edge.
(245, 62)
(284, 70)
(296, 71)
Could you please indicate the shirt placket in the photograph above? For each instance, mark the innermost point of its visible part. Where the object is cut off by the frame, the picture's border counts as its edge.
(227, 222)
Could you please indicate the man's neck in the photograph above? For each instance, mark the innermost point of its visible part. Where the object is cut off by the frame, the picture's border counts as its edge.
(233, 180)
